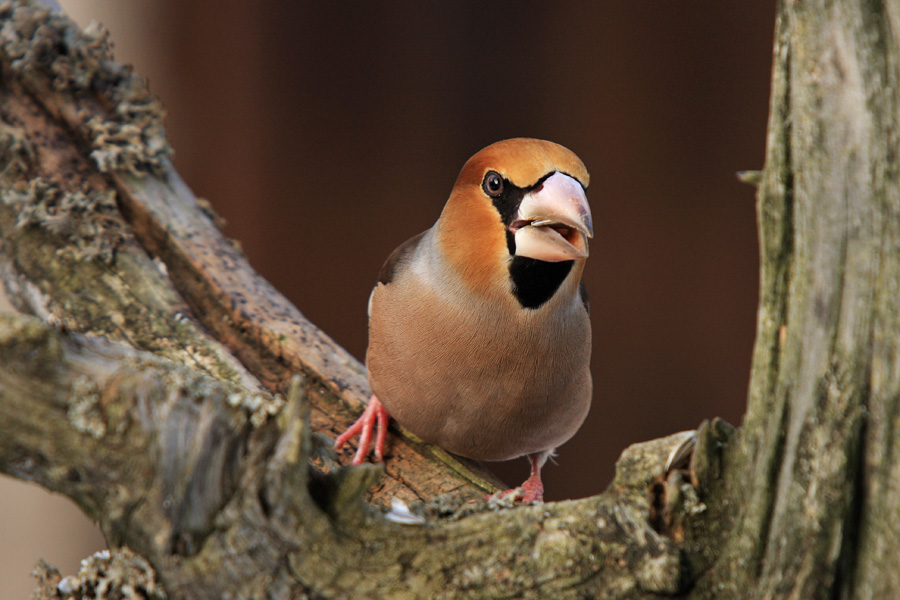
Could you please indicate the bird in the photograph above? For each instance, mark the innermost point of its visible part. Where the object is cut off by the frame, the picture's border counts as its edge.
(479, 327)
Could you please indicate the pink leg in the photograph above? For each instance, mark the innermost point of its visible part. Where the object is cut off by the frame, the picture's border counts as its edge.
(374, 417)
(533, 488)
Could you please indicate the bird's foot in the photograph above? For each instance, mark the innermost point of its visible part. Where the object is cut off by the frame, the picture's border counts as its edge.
(375, 417)
(533, 489)
(527, 493)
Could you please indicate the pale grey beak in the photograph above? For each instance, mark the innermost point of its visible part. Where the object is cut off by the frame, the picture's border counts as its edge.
(553, 222)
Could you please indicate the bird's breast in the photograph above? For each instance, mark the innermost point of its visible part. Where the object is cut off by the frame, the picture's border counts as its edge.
(480, 379)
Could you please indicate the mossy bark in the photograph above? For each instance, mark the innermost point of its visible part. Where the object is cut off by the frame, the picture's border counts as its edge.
(811, 476)
(154, 387)
(175, 464)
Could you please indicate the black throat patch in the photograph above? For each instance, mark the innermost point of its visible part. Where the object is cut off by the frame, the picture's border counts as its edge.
(535, 281)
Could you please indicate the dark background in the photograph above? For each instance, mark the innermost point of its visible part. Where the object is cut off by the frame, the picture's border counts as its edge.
(326, 134)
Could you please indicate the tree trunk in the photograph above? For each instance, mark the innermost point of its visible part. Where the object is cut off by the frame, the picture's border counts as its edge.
(154, 384)
(810, 478)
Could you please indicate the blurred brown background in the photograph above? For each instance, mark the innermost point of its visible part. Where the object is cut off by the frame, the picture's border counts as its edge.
(328, 133)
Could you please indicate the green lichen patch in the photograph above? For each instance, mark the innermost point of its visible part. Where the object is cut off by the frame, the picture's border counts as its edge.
(49, 51)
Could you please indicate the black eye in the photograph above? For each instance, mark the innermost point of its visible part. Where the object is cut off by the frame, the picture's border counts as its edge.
(493, 184)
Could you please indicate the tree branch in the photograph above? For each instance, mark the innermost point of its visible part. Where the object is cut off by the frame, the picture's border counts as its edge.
(189, 471)
(64, 232)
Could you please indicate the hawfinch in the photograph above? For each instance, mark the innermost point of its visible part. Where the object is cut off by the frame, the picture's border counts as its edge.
(479, 334)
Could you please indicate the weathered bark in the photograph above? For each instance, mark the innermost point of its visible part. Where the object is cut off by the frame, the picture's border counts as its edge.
(154, 396)
(89, 270)
(810, 480)
(170, 462)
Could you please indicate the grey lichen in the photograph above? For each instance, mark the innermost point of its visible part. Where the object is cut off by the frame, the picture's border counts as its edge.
(49, 50)
(556, 548)
(87, 220)
(660, 573)
(105, 575)
(40, 43)
(259, 405)
(130, 141)
(16, 151)
(256, 406)
(453, 507)
(85, 412)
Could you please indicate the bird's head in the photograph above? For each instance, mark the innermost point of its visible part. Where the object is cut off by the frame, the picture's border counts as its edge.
(516, 198)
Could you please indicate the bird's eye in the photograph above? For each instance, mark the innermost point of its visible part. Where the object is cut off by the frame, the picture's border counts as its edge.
(493, 184)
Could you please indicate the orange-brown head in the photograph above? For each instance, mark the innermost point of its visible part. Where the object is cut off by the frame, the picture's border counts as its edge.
(516, 204)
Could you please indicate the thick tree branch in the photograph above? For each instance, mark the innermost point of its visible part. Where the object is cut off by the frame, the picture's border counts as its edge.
(63, 93)
(189, 471)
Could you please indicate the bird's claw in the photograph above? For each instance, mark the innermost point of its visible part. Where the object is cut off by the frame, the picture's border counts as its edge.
(517, 495)
(532, 490)
(374, 417)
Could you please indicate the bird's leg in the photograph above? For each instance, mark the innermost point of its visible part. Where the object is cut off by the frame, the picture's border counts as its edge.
(375, 417)
(533, 488)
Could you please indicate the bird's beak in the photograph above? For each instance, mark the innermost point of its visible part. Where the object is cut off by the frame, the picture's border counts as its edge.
(553, 222)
